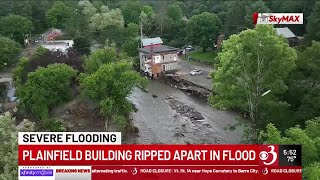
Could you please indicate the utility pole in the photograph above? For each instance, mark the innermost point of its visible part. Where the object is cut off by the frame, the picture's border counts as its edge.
(24, 40)
(141, 36)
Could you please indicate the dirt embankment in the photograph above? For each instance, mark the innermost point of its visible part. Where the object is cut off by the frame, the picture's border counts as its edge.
(80, 115)
(83, 115)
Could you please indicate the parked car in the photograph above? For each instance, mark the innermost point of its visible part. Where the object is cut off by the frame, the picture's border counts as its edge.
(189, 48)
(195, 72)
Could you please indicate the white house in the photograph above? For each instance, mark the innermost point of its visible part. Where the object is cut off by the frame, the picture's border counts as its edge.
(61, 45)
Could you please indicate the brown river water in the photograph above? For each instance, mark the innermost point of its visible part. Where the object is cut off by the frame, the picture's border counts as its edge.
(158, 123)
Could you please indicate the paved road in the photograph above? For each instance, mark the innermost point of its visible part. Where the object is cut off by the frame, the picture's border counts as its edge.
(187, 66)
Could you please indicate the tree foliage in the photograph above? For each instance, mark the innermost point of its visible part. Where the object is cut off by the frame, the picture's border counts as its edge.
(9, 146)
(309, 138)
(250, 64)
(148, 10)
(109, 86)
(15, 27)
(234, 17)
(45, 88)
(9, 51)
(58, 15)
(82, 45)
(131, 47)
(101, 56)
(203, 29)
(174, 12)
(113, 17)
(304, 85)
(149, 24)
(131, 11)
(42, 58)
(313, 25)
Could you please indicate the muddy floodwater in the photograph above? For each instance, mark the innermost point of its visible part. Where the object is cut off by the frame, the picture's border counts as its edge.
(160, 121)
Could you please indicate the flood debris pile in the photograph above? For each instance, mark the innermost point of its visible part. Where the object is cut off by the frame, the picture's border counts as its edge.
(187, 86)
(81, 111)
(184, 109)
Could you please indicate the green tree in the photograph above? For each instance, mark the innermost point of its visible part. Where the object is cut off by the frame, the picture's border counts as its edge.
(58, 15)
(200, 9)
(19, 71)
(82, 45)
(131, 11)
(78, 23)
(88, 9)
(182, 6)
(40, 51)
(45, 88)
(109, 86)
(148, 10)
(203, 29)
(9, 51)
(39, 10)
(309, 138)
(258, 6)
(112, 17)
(15, 26)
(132, 31)
(174, 12)
(234, 17)
(313, 25)
(9, 147)
(304, 85)
(149, 24)
(131, 47)
(250, 64)
(101, 56)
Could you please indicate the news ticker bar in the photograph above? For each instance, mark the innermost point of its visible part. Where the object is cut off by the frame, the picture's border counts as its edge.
(167, 172)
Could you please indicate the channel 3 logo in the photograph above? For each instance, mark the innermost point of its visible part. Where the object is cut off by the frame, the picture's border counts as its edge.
(268, 155)
(265, 171)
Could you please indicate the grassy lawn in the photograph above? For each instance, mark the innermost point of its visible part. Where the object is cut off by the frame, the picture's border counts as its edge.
(205, 57)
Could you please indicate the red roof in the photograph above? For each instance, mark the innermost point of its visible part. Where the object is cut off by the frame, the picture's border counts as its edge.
(55, 33)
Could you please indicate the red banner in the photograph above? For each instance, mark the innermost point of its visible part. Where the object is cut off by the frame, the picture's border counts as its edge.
(143, 155)
(171, 161)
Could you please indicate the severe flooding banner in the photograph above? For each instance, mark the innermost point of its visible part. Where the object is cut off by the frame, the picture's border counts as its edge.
(97, 156)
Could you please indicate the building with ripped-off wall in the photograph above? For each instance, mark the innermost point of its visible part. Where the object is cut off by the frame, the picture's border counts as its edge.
(156, 58)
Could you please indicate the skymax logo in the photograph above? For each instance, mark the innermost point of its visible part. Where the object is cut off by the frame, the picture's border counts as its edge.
(284, 19)
(277, 18)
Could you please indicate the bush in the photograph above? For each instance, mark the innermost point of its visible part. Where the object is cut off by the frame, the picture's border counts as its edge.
(55, 125)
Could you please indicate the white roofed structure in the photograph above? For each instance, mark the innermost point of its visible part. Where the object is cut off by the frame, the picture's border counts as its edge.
(286, 32)
(149, 41)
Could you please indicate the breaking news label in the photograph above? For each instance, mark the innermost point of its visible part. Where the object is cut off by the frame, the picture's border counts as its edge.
(277, 18)
(100, 156)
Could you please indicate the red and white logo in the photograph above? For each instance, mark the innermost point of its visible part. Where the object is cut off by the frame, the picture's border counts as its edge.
(277, 18)
(268, 155)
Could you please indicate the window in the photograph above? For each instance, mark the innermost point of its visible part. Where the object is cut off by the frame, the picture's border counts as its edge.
(163, 57)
